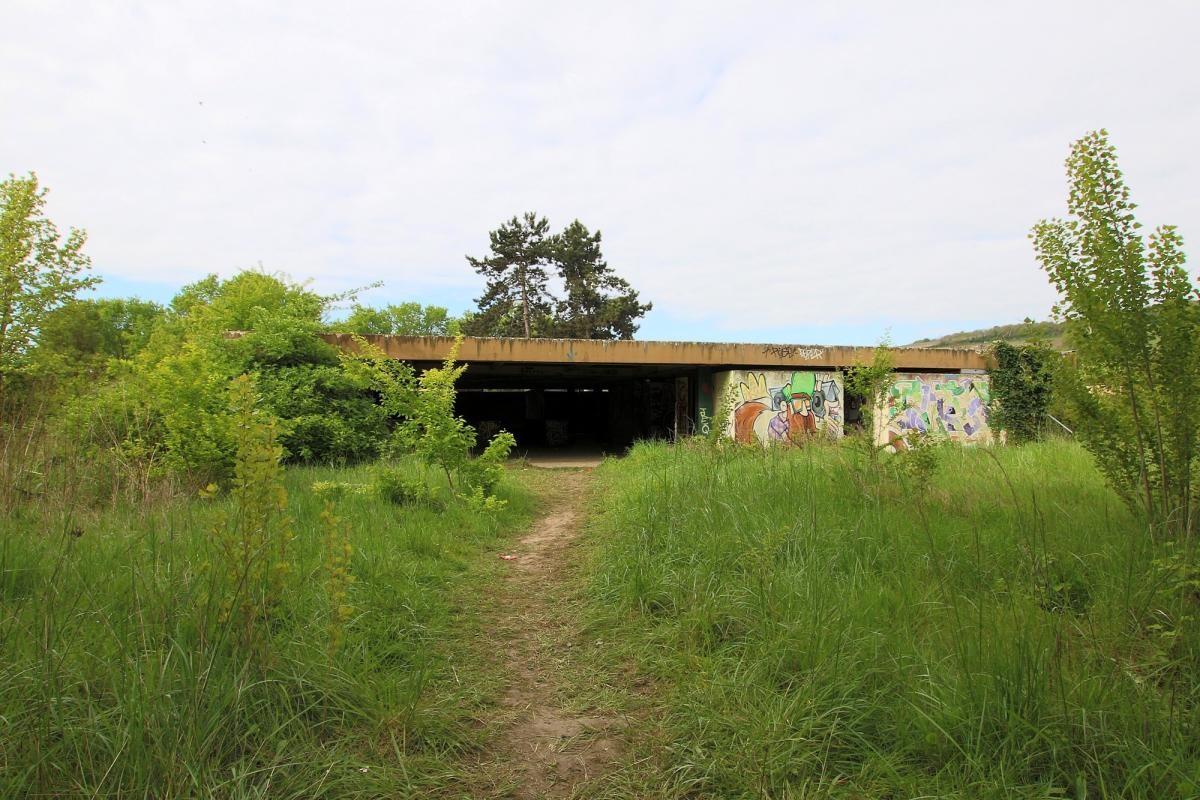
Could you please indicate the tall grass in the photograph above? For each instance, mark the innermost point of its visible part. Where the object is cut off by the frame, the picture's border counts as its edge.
(118, 678)
(992, 623)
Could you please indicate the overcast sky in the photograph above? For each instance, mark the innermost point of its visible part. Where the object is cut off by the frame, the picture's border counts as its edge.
(793, 172)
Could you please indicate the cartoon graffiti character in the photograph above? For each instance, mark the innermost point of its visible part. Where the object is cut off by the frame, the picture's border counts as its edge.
(795, 419)
(752, 393)
(807, 403)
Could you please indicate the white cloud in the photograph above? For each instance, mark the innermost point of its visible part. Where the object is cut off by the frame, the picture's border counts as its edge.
(752, 167)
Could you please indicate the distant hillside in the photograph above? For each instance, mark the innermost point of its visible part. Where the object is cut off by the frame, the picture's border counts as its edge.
(1049, 332)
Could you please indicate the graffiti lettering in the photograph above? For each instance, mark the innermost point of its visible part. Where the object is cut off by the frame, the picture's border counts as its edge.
(946, 406)
(794, 351)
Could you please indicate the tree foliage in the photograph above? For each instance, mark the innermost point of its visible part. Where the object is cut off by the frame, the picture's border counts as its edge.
(1133, 322)
(405, 319)
(39, 269)
(155, 381)
(516, 300)
(596, 302)
(324, 415)
(89, 330)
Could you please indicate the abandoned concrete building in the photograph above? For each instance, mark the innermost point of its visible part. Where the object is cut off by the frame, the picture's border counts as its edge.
(607, 394)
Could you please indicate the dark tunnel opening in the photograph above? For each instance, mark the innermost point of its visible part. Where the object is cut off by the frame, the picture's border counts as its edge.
(605, 417)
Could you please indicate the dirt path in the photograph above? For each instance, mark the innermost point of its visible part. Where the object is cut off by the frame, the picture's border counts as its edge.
(551, 742)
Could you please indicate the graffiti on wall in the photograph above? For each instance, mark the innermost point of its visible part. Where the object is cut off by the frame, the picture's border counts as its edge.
(704, 402)
(793, 351)
(781, 406)
(946, 406)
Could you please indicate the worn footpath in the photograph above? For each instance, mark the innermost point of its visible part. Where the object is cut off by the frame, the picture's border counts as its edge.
(549, 742)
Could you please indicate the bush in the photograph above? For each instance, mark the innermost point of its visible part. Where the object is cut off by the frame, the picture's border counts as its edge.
(485, 470)
(428, 426)
(329, 419)
(399, 487)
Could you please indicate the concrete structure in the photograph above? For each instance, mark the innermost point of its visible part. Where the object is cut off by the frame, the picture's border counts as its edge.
(554, 392)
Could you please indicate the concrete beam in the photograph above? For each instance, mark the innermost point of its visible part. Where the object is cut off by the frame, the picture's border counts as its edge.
(683, 354)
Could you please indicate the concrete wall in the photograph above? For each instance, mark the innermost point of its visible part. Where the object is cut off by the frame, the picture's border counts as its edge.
(774, 406)
(948, 406)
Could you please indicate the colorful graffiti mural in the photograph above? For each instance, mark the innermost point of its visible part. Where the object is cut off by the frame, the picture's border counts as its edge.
(780, 406)
(946, 406)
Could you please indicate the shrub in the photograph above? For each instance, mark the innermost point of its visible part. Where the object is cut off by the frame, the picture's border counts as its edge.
(428, 426)
(485, 470)
(399, 487)
(330, 418)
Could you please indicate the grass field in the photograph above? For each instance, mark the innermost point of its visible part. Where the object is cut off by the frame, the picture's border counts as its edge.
(117, 678)
(988, 623)
(814, 622)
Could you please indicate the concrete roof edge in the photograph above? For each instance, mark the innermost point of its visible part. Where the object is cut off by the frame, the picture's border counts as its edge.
(653, 352)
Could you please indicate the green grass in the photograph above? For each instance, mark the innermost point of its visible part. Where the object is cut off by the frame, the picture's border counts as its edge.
(117, 678)
(815, 626)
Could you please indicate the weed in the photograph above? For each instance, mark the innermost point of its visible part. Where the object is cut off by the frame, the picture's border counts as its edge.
(337, 575)
(252, 543)
(337, 490)
(480, 503)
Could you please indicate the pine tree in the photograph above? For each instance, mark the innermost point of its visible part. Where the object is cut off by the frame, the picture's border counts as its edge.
(598, 303)
(515, 301)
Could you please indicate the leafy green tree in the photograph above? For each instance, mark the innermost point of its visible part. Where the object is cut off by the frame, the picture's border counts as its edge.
(90, 330)
(516, 301)
(324, 415)
(405, 319)
(598, 303)
(1133, 322)
(39, 269)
